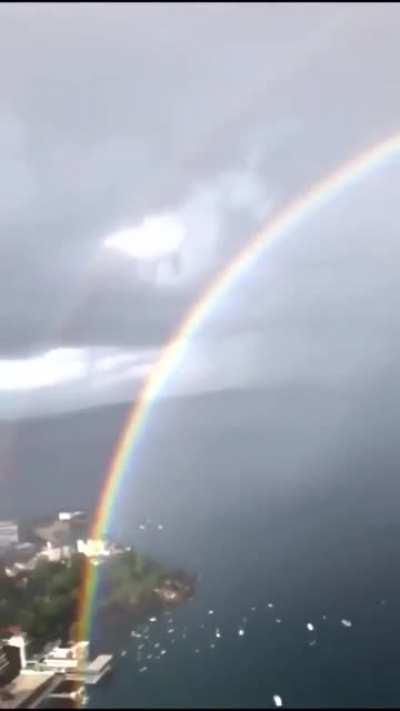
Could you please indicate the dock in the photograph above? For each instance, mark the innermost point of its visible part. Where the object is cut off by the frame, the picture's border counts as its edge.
(94, 671)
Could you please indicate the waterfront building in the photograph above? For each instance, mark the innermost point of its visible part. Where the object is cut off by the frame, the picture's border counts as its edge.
(71, 515)
(93, 548)
(55, 554)
(67, 658)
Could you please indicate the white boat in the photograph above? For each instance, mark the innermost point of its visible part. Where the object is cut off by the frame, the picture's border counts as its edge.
(346, 623)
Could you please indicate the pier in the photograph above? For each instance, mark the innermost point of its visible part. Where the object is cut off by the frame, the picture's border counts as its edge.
(93, 671)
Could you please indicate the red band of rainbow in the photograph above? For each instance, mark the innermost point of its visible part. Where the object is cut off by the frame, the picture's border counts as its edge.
(287, 218)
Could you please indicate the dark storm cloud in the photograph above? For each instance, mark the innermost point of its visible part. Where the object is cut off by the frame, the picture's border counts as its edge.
(111, 113)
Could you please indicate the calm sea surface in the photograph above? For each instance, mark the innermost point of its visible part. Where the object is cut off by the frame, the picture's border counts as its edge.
(289, 498)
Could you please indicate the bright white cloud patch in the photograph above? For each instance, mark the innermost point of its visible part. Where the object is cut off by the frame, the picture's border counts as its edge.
(154, 238)
(65, 379)
(52, 367)
(179, 246)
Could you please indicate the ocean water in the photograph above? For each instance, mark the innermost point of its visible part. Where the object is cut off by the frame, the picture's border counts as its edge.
(331, 666)
(289, 497)
(304, 517)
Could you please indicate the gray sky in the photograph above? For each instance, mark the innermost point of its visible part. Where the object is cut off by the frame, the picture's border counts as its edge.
(272, 459)
(211, 115)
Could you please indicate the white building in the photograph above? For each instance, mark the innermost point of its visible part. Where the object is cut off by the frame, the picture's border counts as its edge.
(54, 554)
(93, 548)
(8, 533)
(70, 515)
(67, 658)
(22, 567)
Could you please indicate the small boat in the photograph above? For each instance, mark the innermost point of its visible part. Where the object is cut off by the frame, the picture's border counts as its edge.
(346, 623)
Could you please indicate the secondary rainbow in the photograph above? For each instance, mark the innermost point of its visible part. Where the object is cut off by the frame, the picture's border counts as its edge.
(285, 219)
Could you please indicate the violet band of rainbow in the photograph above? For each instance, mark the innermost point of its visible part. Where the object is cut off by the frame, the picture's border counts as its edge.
(279, 224)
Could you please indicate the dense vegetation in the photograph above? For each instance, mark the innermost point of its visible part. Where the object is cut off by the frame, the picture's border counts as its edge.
(130, 579)
(44, 602)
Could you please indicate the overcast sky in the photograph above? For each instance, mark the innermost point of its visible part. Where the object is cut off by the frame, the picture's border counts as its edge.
(179, 128)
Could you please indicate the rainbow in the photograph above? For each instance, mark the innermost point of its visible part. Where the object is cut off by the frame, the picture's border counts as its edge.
(284, 220)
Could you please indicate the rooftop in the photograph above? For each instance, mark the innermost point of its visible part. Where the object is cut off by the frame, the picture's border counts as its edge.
(23, 687)
(11, 631)
(72, 650)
